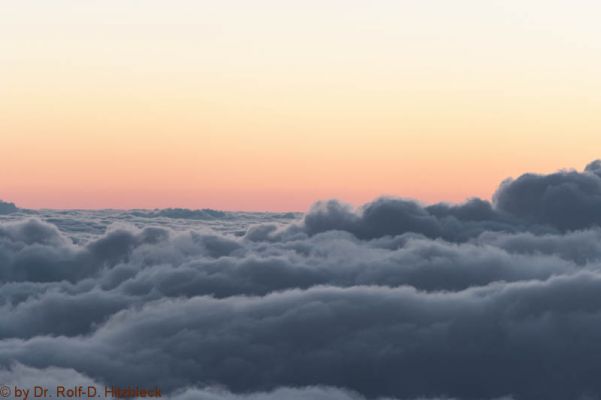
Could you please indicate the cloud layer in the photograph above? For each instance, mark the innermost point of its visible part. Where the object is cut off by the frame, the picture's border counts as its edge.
(394, 300)
(7, 208)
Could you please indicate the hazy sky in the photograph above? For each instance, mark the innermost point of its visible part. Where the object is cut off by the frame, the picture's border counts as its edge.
(270, 105)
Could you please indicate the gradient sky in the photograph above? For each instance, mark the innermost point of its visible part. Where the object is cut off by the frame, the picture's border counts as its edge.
(271, 105)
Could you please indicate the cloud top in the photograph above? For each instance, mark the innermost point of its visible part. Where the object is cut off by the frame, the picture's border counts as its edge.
(394, 300)
(7, 208)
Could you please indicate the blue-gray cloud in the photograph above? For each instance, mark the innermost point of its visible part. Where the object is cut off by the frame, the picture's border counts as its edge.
(7, 208)
(393, 300)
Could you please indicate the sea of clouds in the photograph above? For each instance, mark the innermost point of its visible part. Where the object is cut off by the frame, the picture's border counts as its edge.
(393, 300)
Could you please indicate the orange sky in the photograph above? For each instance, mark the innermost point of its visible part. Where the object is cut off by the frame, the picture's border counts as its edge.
(271, 105)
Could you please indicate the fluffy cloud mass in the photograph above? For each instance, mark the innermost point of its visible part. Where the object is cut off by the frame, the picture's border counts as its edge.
(394, 300)
(7, 208)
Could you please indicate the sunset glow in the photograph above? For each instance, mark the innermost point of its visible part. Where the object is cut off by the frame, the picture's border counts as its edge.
(271, 105)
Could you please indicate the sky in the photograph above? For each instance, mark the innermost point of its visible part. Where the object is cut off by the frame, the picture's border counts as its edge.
(387, 302)
(272, 105)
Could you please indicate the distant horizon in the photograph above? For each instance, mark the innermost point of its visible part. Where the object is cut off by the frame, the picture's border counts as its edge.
(224, 203)
(590, 167)
(281, 209)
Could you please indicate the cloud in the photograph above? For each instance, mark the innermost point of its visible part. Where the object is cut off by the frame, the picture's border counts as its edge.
(377, 341)
(561, 201)
(306, 393)
(566, 200)
(393, 300)
(7, 208)
(382, 217)
(594, 167)
(388, 216)
(27, 377)
(183, 213)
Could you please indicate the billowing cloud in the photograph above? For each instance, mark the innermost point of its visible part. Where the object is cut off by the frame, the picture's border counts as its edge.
(594, 167)
(393, 216)
(7, 208)
(393, 300)
(53, 377)
(566, 200)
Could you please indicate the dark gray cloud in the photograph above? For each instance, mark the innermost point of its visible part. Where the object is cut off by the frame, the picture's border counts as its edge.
(27, 377)
(184, 213)
(477, 343)
(7, 208)
(566, 200)
(594, 167)
(306, 393)
(388, 216)
(393, 300)
(382, 217)
(557, 202)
